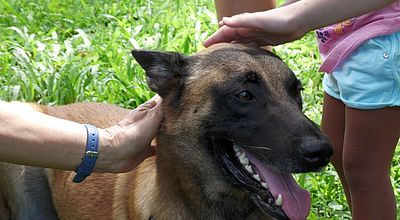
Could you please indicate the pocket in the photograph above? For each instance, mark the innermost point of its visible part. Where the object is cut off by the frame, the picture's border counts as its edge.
(381, 42)
(368, 76)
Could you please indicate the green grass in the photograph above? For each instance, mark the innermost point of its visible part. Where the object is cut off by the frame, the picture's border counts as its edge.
(58, 52)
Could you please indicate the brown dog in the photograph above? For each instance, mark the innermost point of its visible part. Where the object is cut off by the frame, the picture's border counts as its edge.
(232, 132)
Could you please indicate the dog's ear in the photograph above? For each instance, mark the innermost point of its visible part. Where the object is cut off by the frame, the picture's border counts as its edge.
(164, 70)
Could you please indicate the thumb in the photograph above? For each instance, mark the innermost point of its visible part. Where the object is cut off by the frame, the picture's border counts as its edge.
(150, 104)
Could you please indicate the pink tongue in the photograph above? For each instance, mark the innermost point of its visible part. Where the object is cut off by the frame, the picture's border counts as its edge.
(296, 201)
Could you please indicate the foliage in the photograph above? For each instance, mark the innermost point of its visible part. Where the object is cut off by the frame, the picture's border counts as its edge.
(58, 52)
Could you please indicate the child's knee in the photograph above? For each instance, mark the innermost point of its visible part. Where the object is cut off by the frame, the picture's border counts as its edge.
(361, 174)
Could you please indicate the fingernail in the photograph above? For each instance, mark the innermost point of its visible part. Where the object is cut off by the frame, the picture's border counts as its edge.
(155, 98)
(149, 104)
(227, 18)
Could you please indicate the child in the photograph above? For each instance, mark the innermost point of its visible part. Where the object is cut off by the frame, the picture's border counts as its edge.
(361, 112)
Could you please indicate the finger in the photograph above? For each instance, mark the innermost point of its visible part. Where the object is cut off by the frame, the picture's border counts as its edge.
(223, 34)
(254, 20)
(153, 143)
(148, 152)
(150, 104)
(259, 41)
(147, 105)
(156, 98)
(154, 146)
(157, 114)
(220, 23)
(247, 41)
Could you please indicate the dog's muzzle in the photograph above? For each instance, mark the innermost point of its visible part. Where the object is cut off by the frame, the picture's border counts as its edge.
(276, 193)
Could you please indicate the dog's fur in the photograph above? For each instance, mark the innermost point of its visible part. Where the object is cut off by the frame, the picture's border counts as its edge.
(204, 106)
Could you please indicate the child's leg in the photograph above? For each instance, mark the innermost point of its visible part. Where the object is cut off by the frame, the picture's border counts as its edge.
(227, 8)
(369, 142)
(333, 120)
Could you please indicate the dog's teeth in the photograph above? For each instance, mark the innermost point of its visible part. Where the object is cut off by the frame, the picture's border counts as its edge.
(237, 154)
(264, 184)
(236, 148)
(248, 168)
(278, 200)
(257, 177)
(243, 159)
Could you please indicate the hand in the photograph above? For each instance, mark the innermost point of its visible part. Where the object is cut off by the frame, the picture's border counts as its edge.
(289, 22)
(265, 28)
(131, 138)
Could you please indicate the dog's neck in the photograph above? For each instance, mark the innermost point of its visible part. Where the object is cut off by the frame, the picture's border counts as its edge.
(158, 194)
(165, 193)
(161, 194)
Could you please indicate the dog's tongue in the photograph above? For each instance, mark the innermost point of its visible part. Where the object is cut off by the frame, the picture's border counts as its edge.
(296, 201)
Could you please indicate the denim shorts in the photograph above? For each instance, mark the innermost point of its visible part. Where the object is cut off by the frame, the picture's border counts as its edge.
(369, 78)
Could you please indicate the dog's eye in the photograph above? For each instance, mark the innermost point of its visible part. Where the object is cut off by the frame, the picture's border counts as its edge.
(244, 96)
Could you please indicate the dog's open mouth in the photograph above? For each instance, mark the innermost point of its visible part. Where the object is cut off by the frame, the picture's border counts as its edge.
(276, 193)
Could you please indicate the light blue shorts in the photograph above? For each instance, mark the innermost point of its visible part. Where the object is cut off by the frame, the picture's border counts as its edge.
(370, 76)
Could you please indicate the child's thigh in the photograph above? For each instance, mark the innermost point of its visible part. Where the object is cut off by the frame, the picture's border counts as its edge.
(370, 140)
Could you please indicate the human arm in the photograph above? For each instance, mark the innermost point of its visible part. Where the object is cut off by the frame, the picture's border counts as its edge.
(290, 22)
(32, 138)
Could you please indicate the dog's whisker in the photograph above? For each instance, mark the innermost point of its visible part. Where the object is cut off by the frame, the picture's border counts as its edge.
(259, 147)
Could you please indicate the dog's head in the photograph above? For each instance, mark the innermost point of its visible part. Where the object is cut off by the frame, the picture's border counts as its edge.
(234, 130)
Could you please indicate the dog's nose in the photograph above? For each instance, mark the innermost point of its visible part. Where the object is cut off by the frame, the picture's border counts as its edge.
(316, 152)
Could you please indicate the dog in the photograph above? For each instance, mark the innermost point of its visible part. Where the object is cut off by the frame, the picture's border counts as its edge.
(233, 131)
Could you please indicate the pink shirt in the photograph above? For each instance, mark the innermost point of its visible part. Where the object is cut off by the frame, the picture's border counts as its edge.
(337, 41)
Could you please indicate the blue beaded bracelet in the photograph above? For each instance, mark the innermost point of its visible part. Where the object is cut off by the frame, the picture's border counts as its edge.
(89, 159)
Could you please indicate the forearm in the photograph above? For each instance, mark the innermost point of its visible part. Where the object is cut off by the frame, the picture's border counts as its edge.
(32, 138)
(313, 14)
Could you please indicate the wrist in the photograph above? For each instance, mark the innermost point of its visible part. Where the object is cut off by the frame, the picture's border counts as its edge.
(302, 27)
(288, 24)
(299, 17)
(108, 159)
